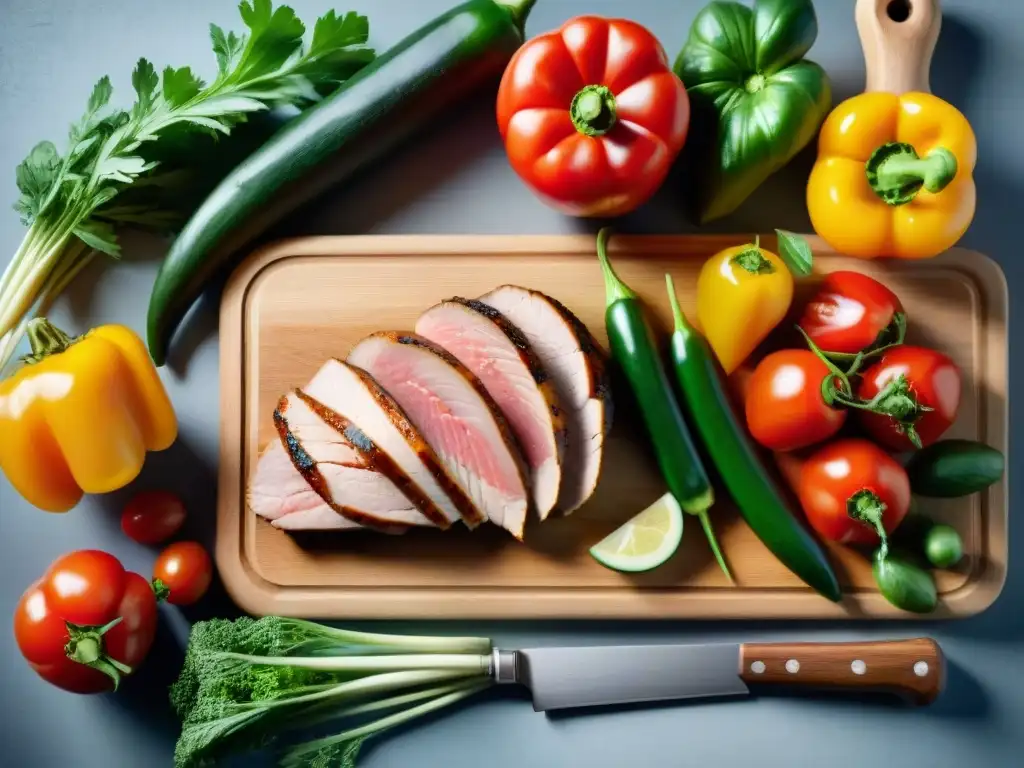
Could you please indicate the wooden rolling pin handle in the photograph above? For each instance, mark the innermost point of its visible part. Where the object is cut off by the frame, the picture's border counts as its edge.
(913, 669)
(898, 38)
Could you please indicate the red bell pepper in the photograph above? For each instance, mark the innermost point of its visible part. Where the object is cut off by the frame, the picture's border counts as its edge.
(592, 115)
(86, 622)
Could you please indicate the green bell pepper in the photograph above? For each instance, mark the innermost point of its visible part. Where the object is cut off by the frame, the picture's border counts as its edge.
(755, 101)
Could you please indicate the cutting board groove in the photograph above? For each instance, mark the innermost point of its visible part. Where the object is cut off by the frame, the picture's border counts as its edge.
(296, 303)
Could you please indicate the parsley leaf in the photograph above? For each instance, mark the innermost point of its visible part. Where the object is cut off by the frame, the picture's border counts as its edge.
(69, 201)
(180, 85)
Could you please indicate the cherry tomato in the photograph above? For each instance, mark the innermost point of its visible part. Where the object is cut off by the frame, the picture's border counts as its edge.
(151, 517)
(186, 570)
(850, 312)
(930, 379)
(847, 484)
(784, 405)
(88, 589)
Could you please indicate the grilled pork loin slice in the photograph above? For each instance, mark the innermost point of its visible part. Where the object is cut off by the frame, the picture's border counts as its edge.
(452, 409)
(494, 349)
(576, 364)
(339, 390)
(356, 478)
(278, 493)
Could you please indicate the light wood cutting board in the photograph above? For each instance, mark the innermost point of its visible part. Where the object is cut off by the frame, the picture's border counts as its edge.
(296, 303)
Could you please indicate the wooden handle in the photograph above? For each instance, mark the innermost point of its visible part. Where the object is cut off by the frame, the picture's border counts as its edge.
(914, 669)
(898, 38)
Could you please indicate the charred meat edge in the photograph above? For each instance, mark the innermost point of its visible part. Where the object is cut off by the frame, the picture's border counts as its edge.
(307, 467)
(531, 361)
(414, 340)
(462, 503)
(596, 357)
(377, 459)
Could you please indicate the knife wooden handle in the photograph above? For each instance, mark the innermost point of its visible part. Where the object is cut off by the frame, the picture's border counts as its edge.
(898, 38)
(914, 669)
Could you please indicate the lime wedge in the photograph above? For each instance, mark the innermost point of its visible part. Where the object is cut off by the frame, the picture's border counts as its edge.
(646, 541)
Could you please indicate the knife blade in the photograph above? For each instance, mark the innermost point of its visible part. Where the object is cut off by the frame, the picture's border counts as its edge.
(589, 676)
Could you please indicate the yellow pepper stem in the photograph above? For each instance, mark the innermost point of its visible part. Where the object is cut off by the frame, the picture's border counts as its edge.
(46, 339)
(896, 173)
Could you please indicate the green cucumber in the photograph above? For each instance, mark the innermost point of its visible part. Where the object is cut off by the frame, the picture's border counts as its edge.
(952, 468)
(706, 402)
(386, 102)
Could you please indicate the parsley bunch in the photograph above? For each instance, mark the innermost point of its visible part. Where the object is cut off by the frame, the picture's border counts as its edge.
(116, 158)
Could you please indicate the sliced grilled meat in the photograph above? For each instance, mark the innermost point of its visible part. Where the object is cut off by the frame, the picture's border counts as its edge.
(576, 364)
(494, 349)
(356, 478)
(453, 410)
(345, 395)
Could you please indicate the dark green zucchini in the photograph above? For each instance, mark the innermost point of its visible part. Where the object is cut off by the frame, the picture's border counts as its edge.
(382, 105)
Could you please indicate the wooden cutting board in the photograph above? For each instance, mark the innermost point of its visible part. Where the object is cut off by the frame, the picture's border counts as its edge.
(294, 304)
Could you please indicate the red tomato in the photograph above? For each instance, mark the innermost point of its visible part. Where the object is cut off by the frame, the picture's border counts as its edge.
(784, 405)
(849, 313)
(88, 589)
(592, 115)
(151, 517)
(929, 378)
(186, 570)
(850, 477)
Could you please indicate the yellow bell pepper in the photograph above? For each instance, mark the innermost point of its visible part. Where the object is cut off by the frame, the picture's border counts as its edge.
(80, 415)
(893, 176)
(743, 292)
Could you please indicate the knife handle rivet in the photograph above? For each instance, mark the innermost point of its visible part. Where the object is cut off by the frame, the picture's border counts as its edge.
(921, 668)
(792, 666)
(758, 667)
(858, 667)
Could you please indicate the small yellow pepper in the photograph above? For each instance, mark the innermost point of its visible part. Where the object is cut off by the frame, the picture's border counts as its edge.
(743, 292)
(80, 415)
(893, 176)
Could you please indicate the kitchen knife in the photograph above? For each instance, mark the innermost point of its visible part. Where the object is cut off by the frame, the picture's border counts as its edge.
(562, 678)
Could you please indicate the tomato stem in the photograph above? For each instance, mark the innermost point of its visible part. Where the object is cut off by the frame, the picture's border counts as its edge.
(160, 590)
(593, 110)
(896, 173)
(85, 645)
(866, 507)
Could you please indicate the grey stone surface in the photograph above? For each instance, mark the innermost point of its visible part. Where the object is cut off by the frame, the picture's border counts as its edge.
(456, 179)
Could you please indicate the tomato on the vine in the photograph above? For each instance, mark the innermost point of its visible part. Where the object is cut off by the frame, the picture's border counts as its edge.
(151, 517)
(852, 312)
(918, 394)
(185, 569)
(785, 407)
(851, 490)
(86, 622)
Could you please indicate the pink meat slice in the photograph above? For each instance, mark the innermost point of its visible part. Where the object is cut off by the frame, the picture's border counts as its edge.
(278, 493)
(577, 367)
(457, 416)
(498, 353)
(346, 469)
(340, 391)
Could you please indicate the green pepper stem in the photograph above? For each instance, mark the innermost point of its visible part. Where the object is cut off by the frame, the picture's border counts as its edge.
(866, 507)
(614, 288)
(682, 325)
(45, 339)
(709, 532)
(593, 110)
(896, 173)
(518, 10)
